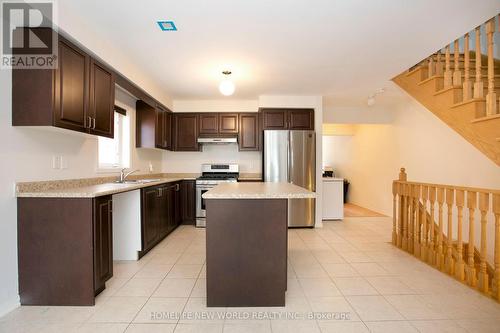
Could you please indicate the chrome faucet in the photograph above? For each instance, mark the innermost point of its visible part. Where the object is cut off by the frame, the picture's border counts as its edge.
(124, 175)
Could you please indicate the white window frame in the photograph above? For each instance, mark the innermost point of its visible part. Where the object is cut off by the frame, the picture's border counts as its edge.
(121, 133)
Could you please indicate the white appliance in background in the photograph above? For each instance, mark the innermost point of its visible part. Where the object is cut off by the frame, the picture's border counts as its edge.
(127, 225)
(211, 176)
(333, 198)
(290, 156)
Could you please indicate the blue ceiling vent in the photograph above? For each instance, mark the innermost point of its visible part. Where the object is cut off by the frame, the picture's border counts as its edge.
(167, 25)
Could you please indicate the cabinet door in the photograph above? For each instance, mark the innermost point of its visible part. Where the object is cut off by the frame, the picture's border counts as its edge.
(188, 201)
(186, 132)
(103, 241)
(275, 119)
(171, 208)
(228, 123)
(167, 130)
(177, 206)
(248, 138)
(301, 119)
(71, 88)
(159, 125)
(102, 100)
(163, 211)
(209, 123)
(150, 213)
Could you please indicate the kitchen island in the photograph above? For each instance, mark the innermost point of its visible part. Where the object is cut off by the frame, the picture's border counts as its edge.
(246, 230)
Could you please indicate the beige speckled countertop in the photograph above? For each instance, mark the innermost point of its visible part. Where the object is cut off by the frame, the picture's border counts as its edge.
(92, 191)
(258, 191)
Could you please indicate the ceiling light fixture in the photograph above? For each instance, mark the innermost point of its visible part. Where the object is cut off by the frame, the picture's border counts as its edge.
(226, 87)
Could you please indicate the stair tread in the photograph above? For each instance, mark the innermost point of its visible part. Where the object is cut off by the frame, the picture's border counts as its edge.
(486, 118)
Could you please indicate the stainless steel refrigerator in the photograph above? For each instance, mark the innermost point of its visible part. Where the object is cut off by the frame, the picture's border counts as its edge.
(290, 156)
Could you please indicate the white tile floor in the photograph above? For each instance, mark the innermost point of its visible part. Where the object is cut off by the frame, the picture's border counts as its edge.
(346, 273)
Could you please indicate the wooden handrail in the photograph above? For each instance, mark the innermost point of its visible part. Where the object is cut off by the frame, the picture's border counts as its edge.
(415, 229)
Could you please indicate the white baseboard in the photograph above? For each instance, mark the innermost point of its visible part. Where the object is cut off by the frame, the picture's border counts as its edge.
(9, 305)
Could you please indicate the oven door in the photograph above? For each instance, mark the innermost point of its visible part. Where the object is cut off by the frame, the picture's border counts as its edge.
(200, 202)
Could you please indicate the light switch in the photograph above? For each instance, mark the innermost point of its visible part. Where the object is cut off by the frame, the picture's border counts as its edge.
(64, 162)
(56, 162)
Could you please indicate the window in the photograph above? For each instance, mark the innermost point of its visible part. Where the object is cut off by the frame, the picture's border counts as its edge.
(115, 153)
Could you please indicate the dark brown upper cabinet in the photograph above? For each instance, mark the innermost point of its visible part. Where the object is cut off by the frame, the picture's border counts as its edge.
(186, 132)
(284, 119)
(208, 123)
(78, 95)
(248, 137)
(228, 123)
(153, 126)
(301, 119)
(102, 100)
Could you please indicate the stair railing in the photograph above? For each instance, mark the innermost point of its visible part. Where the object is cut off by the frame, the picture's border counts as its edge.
(457, 67)
(417, 230)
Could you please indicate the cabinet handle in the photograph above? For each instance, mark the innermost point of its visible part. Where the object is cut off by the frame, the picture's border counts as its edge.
(90, 122)
(177, 187)
(159, 192)
(110, 203)
(93, 126)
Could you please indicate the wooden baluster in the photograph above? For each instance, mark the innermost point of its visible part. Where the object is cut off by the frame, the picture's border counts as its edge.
(430, 66)
(405, 217)
(457, 74)
(439, 64)
(496, 279)
(478, 84)
(411, 226)
(459, 265)
(491, 98)
(440, 250)
(450, 263)
(424, 247)
(448, 76)
(417, 245)
(467, 86)
(484, 202)
(394, 212)
(471, 267)
(431, 251)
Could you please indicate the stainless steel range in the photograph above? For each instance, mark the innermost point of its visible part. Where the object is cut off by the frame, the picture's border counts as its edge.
(211, 176)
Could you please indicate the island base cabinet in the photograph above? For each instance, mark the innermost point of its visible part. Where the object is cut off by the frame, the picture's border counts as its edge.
(56, 251)
(246, 252)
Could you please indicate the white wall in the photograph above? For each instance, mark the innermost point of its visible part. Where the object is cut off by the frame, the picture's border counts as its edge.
(190, 162)
(315, 102)
(336, 153)
(26, 155)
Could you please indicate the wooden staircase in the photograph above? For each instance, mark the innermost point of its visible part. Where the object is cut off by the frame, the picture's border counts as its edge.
(430, 221)
(462, 91)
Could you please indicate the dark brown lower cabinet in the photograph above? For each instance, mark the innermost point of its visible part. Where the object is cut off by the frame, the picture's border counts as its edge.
(64, 249)
(188, 202)
(103, 241)
(160, 213)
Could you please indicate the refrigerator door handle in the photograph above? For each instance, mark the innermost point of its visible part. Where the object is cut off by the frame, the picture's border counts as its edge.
(289, 158)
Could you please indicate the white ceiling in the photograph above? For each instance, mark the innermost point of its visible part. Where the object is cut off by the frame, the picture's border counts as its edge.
(342, 49)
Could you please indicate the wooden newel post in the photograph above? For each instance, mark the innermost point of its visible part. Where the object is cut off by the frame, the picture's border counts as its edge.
(402, 175)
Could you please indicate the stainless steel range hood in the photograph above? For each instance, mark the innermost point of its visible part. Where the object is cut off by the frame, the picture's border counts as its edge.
(220, 141)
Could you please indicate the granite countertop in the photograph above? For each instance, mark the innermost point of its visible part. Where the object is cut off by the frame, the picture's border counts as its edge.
(91, 191)
(265, 190)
